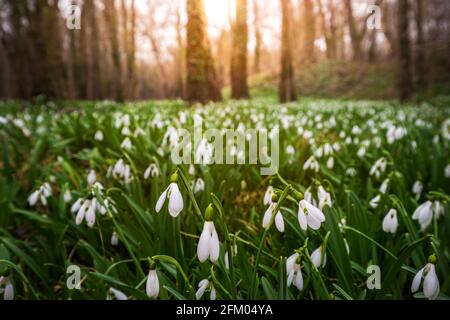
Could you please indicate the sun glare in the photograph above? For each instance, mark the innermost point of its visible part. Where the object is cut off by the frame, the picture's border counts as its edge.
(218, 12)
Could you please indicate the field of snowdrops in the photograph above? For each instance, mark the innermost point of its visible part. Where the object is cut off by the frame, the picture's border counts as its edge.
(359, 208)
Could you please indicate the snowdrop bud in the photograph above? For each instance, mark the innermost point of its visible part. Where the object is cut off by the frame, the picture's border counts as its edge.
(330, 163)
(279, 222)
(33, 198)
(114, 239)
(152, 286)
(390, 222)
(268, 195)
(447, 171)
(9, 292)
(67, 196)
(98, 135)
(375, 201)
(318, 257)
(91, 178)
(384, 186)
(417, 188)
(268, 215)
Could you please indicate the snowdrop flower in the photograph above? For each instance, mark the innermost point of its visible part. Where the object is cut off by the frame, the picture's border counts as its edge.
(417, 188)
(430, 281)
(204, 153)
(318, 257)
(356, 130)
(87, 211)
(175, 198)
(117, 294)
(126, 144)
(330, 163)
(279, 221)
(67, 196)
(384, 186)
(294, 271)
(290, 150)
(199, 185)
(208, 245)
(202, 286)
(114, 239)
(41, 194)
(424, 214)
(375, 201)
(447, 171)
(378, 167)
(91, 178)
(8, 291)
(77, 205)
(309, 215)
(233, 253)
(98, 135)
(390, 222)
(311, 164)
(152, 285)
(268, 195)
(351, 172)
(152, 170)
(324, 198)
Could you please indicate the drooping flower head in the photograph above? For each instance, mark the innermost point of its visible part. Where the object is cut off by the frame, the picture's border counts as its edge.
(175, 198)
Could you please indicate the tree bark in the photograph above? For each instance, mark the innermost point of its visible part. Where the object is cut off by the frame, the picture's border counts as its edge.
(258, 38)
(111, 21)
(287, 85)
(420, 52)
(239, 87)
(404, 57)
(309, 33)
(201, 83)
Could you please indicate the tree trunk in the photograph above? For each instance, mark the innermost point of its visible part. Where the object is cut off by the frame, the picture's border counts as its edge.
(111, 22)
(50, 74)
(329, 30)
(354, 34)
(258, 38)
(420, 52)
(404, 57)
(131, 61)
(180, 65)
(310, 31)
(201, 84)
(287, 85)
(239, 87)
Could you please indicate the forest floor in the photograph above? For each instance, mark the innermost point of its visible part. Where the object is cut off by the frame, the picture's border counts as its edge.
(359, 184)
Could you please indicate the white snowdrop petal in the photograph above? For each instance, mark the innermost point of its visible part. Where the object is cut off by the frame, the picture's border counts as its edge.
(214, 246)
(203, 244)
(279, 222)
(161, 200)
(175, 200)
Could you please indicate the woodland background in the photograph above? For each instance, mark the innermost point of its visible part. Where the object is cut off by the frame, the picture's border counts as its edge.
(159, 49)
